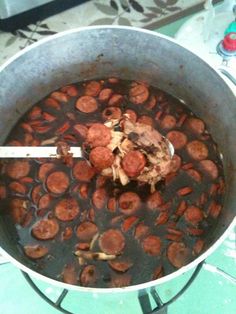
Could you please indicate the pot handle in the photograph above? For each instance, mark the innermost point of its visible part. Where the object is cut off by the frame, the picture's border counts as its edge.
(229, 73)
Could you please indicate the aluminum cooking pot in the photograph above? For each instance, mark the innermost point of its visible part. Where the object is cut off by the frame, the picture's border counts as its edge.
(129, 53)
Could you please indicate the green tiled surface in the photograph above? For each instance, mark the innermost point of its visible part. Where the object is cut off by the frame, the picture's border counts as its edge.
(210, 293)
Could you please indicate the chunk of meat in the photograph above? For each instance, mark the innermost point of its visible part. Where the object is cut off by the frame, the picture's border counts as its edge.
(111, 113)
(152, 245)
(45, 229)
(178, 254)
(101, 157)
(196, 125)
(99, 198)
(175, 163)
(105, 94)
(67, 209)
(154, 200)
(112, 241)
(197, 150)
(35, 251)
(82, 171)
(86, 104)
(81, 129)
(138, 94)
(210, 168)
(115, 100)
(129, 203)
(120, 265)
(145, 120)
(133, 163)
(132, 115)
(111, 204)
(98, 135)
(193, 215)
(86, 231)
(69, 274)
(17, 187)
(119, 281)
(17, 169)
(44, 169)
(195, 175)
(178, 139)
(18, 210)
(129, 223)
(58, 182)
(168, 122)
(44, 201)
(141, 230)
(92, 88)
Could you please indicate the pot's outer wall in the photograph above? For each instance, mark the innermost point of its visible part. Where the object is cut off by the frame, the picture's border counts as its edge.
(128, 53)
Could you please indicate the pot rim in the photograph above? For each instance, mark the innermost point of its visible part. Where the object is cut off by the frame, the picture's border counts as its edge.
(148, 284)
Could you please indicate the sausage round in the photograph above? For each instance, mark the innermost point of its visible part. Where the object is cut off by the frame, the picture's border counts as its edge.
(81, 129)
(145, 120)
(132, 115)
(120, 265)
(18, 210)
(44, 169)
(82, 171)
(17, 187)
(193, 215)
(67, 209)
(45, 229)
(152, 245)
(88, 276)
(44, 201)
(86, 231)
(141, 231)
(138, 94)
(111, 113)
(98, 135)
(17, 169)
(133, 163)
(92, 88)
(69, 274)
(101, 157)
(210, 168)
(197, 150)
(129, 203)
(177, 138)
(105, 94)
(194, 174)
(196, 125)
(99, 198)
(35, 251)
(120, 280)
(112, 241)
(115, 100)
(154, 200)
(175, 163)
(57, 182)
(168, 122)
(178, 254)
(86, 104)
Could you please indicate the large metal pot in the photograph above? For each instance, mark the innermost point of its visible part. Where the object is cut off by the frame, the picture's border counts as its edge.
(129, 53)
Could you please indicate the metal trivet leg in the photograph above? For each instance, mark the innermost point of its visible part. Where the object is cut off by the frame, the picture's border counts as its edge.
(162, 308)
(57, 303)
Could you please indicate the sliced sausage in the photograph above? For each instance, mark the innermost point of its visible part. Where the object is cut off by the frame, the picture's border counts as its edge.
(214, 209)
(210, 168)
(119, 281)
(36, 194)
(67, 233)
(111, 204)
(129, 223)
(99, 198)
(45, 229)
(129, 203)
(168, 122)
(178, 254)
(35, 251)
(120, 265)
(69, 274)
(185, 191)
(194, 174)
(58, 182)
(17, 187)
(197, 150)
(133, 163)
(44, 170)
(67, 209)
(35, 113)
(115, 100)
(81, 129)
(113, 80)
(112, 241)
(177, 138)
(100, 181)
(158, 273)
(88, 276)
(18, 209)
(92, 88)
(198, 246)
(175, 163)
(17, 169)
(86, 231)
(84, 190)
(86, 104)
(138, 94)
(82, 171)
(101, 157)
(196, 125)
(70, 90)
(193, 215)
(98, 135)
(151, 103)
(53, 103)
(60, 96)
(162, 218)
(111, 113)
(154, 200)
(132, 115)
(3, 192)
(145, 120)
(152, 245)
(44, 201)
(105, 94)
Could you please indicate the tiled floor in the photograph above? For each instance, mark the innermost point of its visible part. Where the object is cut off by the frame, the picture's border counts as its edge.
(211, 292)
